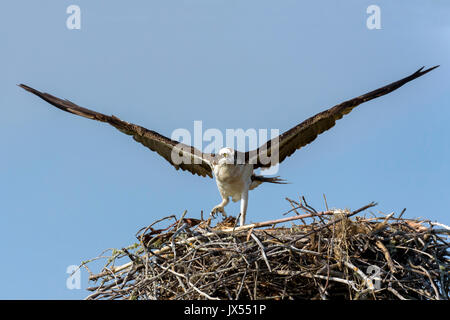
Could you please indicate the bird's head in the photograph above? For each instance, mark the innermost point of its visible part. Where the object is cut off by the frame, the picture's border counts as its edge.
(226, 156)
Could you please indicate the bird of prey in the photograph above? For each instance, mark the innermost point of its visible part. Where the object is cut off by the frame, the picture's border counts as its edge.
(233, 170)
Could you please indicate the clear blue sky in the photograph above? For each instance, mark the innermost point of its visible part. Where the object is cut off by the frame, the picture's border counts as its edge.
(70, 187)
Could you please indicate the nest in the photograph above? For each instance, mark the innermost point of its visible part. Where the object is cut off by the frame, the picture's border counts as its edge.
(333, 254)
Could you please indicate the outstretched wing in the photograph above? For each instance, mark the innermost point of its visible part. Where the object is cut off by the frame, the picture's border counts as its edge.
(178, 154)
(307, 131)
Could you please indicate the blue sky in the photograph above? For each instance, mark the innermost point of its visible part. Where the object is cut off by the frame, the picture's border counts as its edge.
(71, 187)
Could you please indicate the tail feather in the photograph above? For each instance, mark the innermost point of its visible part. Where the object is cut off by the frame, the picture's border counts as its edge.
(257, 180)
(269, 179)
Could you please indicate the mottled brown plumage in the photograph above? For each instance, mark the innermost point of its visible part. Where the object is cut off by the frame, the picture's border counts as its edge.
(233, 170)
(151, 139)
(307, 131)
(288, 142)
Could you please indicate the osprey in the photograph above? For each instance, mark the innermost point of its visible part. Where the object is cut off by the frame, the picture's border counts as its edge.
(233, 170)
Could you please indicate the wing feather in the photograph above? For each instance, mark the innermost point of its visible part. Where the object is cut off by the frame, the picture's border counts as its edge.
(195, 161)
(307, 131)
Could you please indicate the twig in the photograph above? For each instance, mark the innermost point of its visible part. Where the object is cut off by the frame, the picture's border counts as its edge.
(324, 259)
(262, 251)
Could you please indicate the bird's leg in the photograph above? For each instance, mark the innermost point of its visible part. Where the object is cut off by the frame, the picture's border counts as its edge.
(220, 207)
(244, 203)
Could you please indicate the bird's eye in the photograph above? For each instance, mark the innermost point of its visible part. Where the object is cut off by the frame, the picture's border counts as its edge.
(225, 155)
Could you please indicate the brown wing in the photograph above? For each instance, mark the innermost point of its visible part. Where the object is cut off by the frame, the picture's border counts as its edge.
(194, 160)
(308, 130)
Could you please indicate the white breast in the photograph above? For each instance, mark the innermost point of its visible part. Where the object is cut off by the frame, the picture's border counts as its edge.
(233, 179)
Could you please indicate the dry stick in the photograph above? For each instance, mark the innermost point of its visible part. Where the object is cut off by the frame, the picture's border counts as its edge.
(226, 231)
(150, 226)
(179, 228)
(242, 228)
(255, 286)
(306, 207)
(387, 256)
(289, 211)
(368, 282)
(440, 225)
(118, 294)
(262, 251)
(310, 209)
(204, 284)
(401, 214)
(326, 203)
(395, 292)
(308, 275)
(370, 205)
(382, 225)
(212, 283)
(416, 250)
(436, 291)
(181, 220)
(295, 206)
(241, 285)
(177, 274)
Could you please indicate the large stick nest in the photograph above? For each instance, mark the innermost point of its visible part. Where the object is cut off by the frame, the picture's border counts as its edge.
(325, 255)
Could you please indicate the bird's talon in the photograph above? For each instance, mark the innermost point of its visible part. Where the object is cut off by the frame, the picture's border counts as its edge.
(218, 209)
